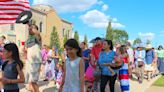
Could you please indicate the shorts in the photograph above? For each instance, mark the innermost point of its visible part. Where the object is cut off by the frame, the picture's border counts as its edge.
(32, 72)
(149, 67)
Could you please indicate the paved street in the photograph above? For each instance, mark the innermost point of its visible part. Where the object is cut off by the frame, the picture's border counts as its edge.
(134, 87)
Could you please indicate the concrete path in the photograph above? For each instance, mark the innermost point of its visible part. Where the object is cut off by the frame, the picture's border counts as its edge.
(155, 89)
(134, 86)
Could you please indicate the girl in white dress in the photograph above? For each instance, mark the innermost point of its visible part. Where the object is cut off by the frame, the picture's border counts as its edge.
(73, 77)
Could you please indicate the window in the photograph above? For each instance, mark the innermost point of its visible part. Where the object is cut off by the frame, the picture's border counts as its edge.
(12, 27)
(40, 26)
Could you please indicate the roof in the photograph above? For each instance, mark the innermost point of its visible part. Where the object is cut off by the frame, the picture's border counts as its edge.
(66, 21)
(44, 9)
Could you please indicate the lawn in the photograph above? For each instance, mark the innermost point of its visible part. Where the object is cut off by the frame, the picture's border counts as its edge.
(159, 82)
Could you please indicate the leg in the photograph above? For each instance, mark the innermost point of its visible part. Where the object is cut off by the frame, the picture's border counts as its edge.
(112, 81)
(142, 73)
(104, 80)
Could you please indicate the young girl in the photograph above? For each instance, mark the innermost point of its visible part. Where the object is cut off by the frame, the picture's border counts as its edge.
(59, 76)
(12, 68)
(123, 72)
(73, 77)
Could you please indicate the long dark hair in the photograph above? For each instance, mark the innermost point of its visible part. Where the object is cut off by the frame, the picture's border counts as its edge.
(12, 47)
(74, 44)
(110, 43)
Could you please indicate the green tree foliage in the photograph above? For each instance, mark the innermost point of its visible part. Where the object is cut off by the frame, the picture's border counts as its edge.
(148, 41)
(86, 39)
(120, 36)
(65, 38)
(55, 39)
(137, 41)
(116, 35)
(76, 36)
(109, 32)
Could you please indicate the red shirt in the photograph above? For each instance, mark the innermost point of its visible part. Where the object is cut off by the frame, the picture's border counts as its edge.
(96, 51)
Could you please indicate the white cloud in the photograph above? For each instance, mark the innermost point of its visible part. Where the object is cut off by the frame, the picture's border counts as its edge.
(105, 7)
(118, 25)
(147, 36)
(100, 2)
(114, 19)
(65, 6)
(97, 19)
(162, 33)
(81, 38)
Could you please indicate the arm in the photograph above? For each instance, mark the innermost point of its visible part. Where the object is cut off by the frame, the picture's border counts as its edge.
(63, 79)
(81, 75)
(21, 76)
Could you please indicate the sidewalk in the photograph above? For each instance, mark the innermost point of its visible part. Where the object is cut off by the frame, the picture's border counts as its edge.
(134, 86)
(155, 89)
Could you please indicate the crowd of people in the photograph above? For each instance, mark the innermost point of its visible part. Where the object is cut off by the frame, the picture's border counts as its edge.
(78, 68)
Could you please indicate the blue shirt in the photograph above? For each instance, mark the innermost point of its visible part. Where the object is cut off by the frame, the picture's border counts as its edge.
(140, 54)
(106, 58)
(86, 53)
(149, 57)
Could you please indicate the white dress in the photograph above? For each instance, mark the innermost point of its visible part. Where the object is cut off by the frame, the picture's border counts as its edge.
(72, 80)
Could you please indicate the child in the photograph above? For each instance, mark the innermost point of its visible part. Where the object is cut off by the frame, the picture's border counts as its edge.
(50, 69)
(118, 63)
(73, 77)
(59, 76)
(12, 68)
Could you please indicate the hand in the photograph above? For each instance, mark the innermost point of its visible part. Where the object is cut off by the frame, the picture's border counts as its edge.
(60, 89)
(5, 80)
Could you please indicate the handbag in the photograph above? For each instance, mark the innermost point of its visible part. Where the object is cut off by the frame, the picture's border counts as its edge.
(97, 72)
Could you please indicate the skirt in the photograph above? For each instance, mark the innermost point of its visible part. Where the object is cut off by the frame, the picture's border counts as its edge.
(124, 78)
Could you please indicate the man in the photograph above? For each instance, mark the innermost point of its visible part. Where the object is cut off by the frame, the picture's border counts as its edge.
(97, 48)
(140, 62)
(34, 58)
(131, 58)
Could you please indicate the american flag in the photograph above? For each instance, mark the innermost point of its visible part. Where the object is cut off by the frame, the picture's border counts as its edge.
(10, 9)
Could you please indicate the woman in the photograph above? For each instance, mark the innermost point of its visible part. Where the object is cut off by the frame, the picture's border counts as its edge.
(150, 59)
(160, 64)
(140, 62)
(86, 54)
(34, 58)
(107, 56)
(12, 68)
(73, 77)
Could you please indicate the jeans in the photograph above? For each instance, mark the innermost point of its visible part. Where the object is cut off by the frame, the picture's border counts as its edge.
(15, 90)
(104, 81)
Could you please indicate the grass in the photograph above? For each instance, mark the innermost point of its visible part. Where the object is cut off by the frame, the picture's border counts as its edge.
(159, 82)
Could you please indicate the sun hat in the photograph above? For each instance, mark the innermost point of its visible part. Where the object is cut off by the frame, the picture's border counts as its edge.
(149, 46)
(24, 17)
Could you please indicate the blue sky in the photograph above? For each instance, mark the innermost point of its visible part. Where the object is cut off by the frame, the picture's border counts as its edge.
(140, 18)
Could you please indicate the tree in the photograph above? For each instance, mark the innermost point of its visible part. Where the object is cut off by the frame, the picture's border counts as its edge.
(86, 39)
(137, 41)
(76, 36)
(55, 39)
(119, 36)
(148, 42)
(109, 32)
(65, 38)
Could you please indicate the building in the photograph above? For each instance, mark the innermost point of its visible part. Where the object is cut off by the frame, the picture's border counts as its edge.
(16, 33)
(46, 18)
